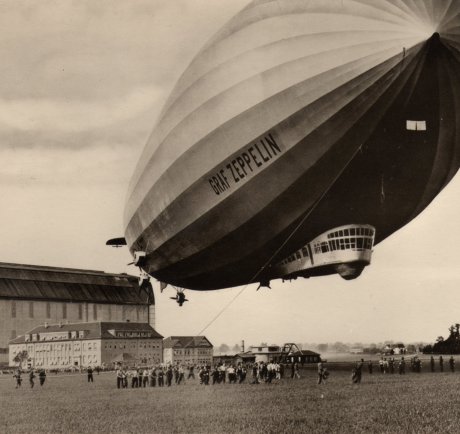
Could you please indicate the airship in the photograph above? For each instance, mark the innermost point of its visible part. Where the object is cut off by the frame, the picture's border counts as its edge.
(301, 135)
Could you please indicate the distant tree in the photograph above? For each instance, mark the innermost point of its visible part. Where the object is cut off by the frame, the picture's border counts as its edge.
(340, 347)
(224, 348)
(411, 348)
(427, 349)
(236, 348)
(21, 357)
(451, 345)
(322, 348)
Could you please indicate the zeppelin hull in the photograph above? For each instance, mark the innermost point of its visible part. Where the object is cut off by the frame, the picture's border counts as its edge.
(325, 139)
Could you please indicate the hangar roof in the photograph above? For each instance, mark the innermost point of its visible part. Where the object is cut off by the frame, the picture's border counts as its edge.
(34, 282)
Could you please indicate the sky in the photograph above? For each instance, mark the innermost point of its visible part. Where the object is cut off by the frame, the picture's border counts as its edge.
(82, 85)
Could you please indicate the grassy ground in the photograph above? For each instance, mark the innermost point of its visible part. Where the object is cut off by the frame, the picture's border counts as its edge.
(414, 403)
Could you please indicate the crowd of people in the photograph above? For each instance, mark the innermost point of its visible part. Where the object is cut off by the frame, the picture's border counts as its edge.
(255, 373)
(390, 365)
(32, 374)
(159, 376)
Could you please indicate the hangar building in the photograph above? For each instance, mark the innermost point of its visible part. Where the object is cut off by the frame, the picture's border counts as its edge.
(32, 295)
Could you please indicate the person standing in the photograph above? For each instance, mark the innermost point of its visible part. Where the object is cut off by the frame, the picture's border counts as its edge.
(119, 378)
(181, 375)
(31, 378)
(145, 378)
(391, 364)
(90, 374)
(370, 367)
(153, 377)
(124, 376)
(320, 372)
(359, 370)
(42, 377)
(432, 363)
(255, 372)
(402, 366)
(441, 364)
(169, 376)
(134, 378)
(452, 363)
(296, 370)
(17, 376)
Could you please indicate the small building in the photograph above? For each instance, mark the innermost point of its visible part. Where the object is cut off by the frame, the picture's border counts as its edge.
(61, 346)
(187, 350)
(31, 295)
(224, 359)
(397, 349)
(265, 353)
(289, 353)
(303, 357)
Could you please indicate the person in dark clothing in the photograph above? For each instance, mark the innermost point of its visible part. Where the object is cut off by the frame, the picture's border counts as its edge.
(161, 381)
(153, 377)
(359, 370)
(176, 374)
(17, 376)
(215, 375)
(370, 367)
(452, 363)
(90, 374)
(42, 377)
(441, 364)
(432, 363)
(255, 371)
(391, 364)
(402, 366)
(31, 378)
(169, 376)
(320, 372)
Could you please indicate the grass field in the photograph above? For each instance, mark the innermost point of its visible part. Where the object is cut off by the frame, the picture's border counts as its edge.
(414, 403)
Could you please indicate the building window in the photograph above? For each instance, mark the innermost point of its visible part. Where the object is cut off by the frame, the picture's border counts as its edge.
(13, 309)
(95, 312)
(64, 311)
(31, 309)
(80, 311)
(48, 310)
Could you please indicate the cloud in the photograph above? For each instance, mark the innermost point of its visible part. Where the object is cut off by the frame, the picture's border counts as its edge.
(98, 165)
(75, 115)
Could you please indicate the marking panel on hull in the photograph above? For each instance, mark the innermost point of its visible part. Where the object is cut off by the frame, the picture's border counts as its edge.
(246, 163)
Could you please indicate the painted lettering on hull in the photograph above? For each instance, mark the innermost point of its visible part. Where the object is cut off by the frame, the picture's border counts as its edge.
(245, 164)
